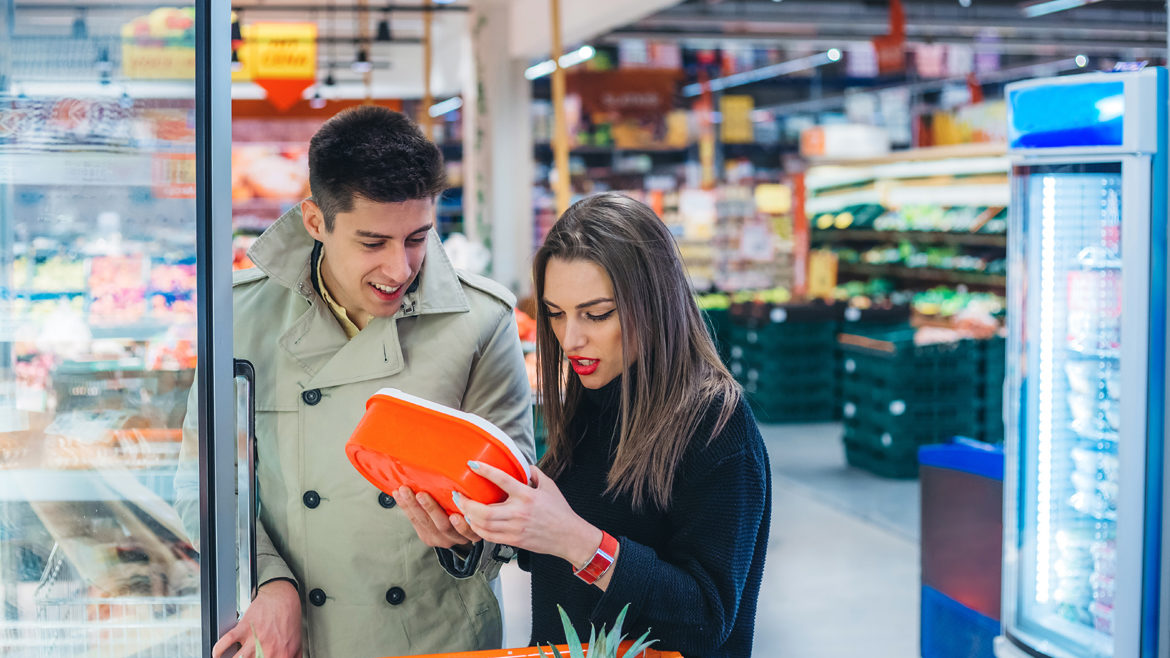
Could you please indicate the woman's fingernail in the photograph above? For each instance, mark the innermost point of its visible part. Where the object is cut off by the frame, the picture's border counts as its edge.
(473, 465)
(458, 500)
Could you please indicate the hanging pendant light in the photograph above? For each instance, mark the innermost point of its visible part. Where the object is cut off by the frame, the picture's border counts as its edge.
(384, 35)
(361, 63)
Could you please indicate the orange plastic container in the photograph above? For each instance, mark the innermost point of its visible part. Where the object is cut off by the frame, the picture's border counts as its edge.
(406, 440)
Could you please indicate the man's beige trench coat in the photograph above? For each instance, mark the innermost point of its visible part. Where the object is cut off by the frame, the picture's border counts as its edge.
(369, 587)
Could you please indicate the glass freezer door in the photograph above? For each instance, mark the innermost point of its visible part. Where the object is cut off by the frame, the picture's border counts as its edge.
(104, 325)
(1079, 422)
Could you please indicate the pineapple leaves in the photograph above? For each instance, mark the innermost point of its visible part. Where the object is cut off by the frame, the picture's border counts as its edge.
(638, 646)
(571, 636)
(602, 643)
(554, 652)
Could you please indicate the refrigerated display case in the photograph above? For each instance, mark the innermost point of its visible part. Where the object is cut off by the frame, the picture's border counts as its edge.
(1086, 366)
(106, 304)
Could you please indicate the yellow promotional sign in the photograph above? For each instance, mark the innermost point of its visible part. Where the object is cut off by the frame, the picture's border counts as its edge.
(278, 51)
(773, 198)
(822, 274)
(737, 119)
(281, 58)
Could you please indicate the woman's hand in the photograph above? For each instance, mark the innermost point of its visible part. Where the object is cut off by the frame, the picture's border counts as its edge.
(535, 518)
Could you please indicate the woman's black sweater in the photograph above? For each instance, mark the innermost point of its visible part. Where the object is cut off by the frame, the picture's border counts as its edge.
(692, 574)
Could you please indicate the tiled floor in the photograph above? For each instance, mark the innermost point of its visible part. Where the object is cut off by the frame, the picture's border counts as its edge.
(841, 578)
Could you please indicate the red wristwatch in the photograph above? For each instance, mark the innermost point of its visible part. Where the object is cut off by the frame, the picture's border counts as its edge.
(602, 560)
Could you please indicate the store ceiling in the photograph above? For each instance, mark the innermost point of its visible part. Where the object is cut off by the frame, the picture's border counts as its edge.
(48, 50)
(1121, 30)
(1134, 29)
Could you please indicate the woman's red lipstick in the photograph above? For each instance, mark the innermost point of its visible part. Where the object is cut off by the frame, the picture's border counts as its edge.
(581, 368)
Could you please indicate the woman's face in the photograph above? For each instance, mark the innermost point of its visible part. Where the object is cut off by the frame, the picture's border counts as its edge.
(580, 305)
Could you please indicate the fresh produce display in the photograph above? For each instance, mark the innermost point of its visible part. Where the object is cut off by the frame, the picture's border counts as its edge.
(949, 302)
(777, 295)
(982, 220)
(943, 257)
(713, 301)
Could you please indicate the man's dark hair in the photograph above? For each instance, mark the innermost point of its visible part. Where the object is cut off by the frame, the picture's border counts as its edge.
(375, 153)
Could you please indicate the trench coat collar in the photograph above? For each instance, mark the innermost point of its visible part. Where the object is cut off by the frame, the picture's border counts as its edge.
(285, 249)
(316, 340)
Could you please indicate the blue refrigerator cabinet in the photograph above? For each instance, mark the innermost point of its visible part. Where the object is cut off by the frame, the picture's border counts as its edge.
(1085, 391)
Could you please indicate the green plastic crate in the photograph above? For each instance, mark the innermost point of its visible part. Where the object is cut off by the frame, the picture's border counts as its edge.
(909, 430)
(879, 462)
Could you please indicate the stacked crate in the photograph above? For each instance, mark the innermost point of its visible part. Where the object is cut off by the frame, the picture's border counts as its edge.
(899, 396)
(856, 320)
(991, 362)
(783, 355)
(719, 326)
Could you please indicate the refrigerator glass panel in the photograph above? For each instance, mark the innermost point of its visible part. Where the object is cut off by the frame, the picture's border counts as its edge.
(1069, 457)
(97, 330)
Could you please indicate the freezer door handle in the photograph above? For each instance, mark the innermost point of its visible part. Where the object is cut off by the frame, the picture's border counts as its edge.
(245, 377)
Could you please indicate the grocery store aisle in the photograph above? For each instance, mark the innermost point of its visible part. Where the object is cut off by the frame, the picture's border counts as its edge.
(841, 578)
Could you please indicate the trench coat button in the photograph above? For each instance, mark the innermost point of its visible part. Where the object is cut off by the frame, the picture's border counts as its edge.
(311, 499)
(311, 396)
(386, 500)
(395, 595)
(317, 597)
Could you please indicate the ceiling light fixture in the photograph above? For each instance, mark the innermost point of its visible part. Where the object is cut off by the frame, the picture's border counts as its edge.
(582, 54)
(384, 29)
(237, 33)
(361, 64)
(1045, 7)
(444, 107)
(765, 73)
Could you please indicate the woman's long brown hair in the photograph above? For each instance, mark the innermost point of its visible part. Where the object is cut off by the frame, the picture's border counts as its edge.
(678, 370)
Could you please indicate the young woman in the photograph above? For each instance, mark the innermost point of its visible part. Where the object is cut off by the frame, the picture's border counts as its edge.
(655, 491)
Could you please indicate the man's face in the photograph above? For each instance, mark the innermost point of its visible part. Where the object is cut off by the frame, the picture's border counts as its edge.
(373, 253)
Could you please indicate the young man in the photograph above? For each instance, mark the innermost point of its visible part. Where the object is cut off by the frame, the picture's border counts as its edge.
(352, 292)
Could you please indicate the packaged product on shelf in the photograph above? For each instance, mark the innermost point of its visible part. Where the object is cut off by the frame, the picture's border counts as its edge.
(1103, 464)
(1102, 617)
(1094, 310)
(270, 171)
(117, 291)
(1104, 588)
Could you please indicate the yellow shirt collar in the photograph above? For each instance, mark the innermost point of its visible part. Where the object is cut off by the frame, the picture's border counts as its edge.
(339, 311)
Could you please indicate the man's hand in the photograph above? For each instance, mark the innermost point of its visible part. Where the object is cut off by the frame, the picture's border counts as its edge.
(431, 523)
(273, 619)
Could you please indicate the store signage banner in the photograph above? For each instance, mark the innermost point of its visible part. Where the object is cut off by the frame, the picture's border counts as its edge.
(625, 93)
(891, 48)
(281, 58)
(160, 45)
(736, 126)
